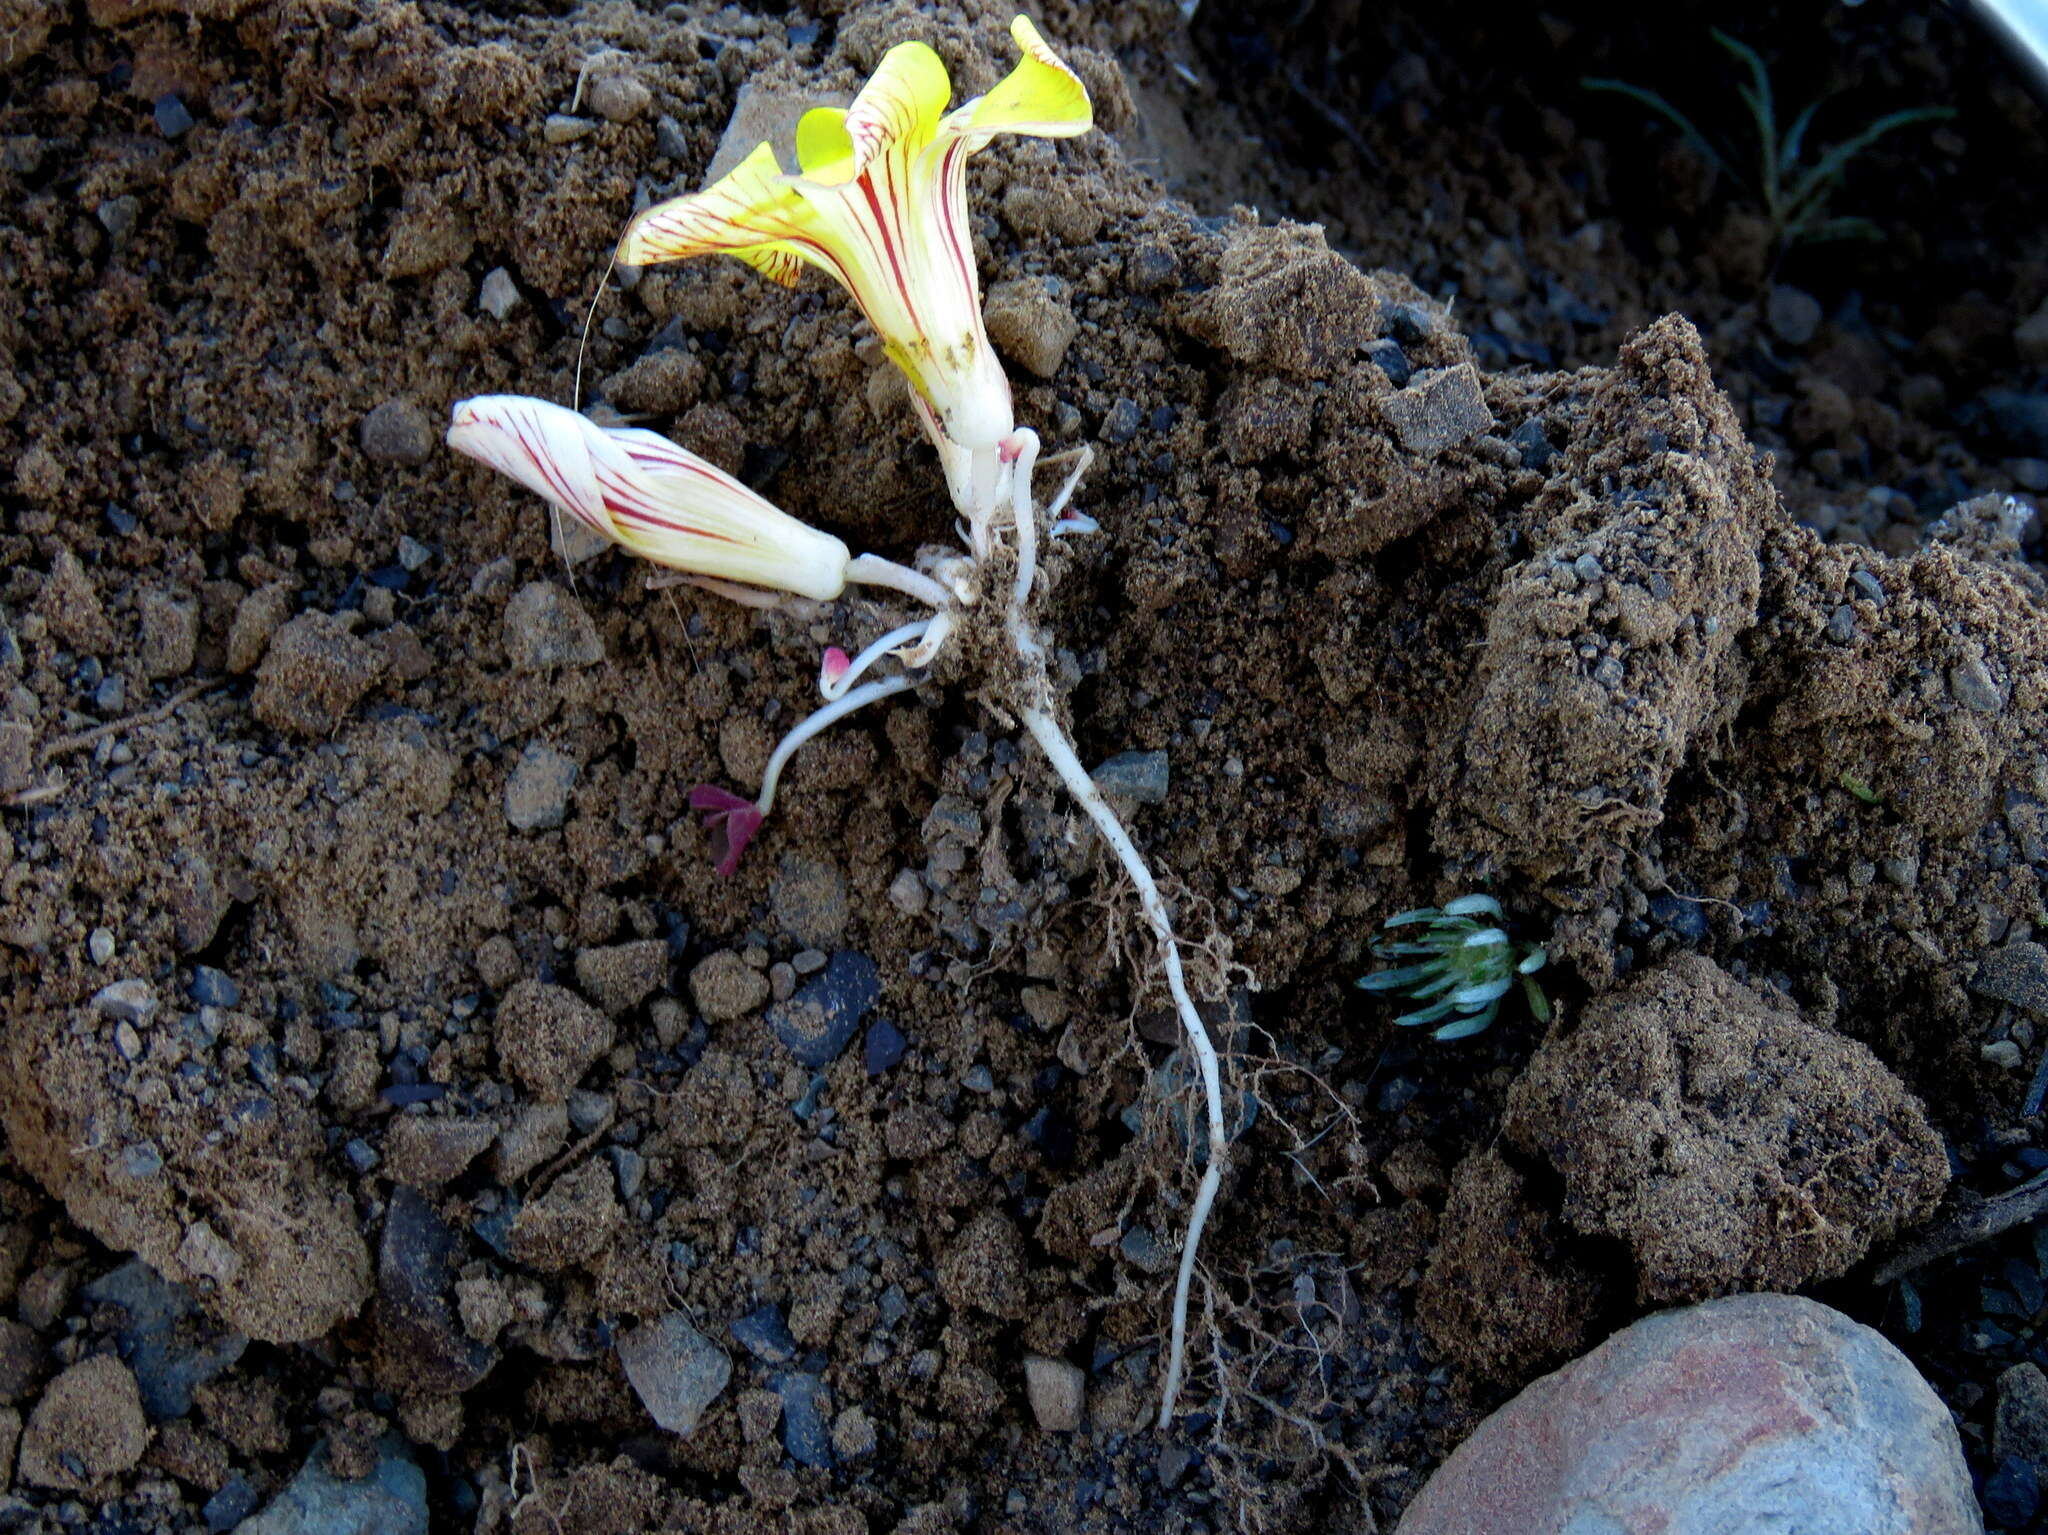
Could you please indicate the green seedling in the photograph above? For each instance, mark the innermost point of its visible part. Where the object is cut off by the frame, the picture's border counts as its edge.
(1794, 192)
(1459, 966)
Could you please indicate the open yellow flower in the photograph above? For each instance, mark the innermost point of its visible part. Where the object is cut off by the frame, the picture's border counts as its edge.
(642, 491)
(880, 202)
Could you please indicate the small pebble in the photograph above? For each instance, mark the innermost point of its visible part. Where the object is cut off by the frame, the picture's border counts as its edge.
(907, 893)
(618, 98)
(412, 554)
(1842, 625)
(808, 961)
(499, 295)
(763, 1333)
(2003, 1054)
(561, 128)
(885, 1047)
(100, 946)
(129, 1001)
(213, 988)
(1057, 1391)
(669, 142)
(173, 118)
(979, 1079)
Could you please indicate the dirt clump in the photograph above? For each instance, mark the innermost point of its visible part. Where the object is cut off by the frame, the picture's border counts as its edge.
(1729, 1142)
(1507, 1291)
(548, 1037)
(87, 1428)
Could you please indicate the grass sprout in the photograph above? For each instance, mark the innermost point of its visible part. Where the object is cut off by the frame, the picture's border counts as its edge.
(1794, 190)
(1458, 963)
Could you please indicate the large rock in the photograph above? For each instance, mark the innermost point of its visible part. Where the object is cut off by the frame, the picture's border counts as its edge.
(1729, 1142)
(1755, 1413)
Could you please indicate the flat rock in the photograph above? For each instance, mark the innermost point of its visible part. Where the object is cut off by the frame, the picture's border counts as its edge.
(537, 792)
(171, 1349)
(545, 628)
(1439, 410)
(548, 1037)
(314, 672)
(87, 1428)
(1057, 1391)
(620, 975)
(426, 1153)
(2016, 973)
(391, 1500)
(571, 1222)
(536, 1133)
(1754, 1413)
(420, 1345)
(824, 1015)
(1142, 777)
(675, 1370)
(806, 1419)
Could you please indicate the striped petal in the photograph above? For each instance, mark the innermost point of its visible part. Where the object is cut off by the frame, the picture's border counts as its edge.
(880, 202)
(646, 494)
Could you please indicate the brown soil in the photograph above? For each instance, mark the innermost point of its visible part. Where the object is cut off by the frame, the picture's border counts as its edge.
(441, 1060)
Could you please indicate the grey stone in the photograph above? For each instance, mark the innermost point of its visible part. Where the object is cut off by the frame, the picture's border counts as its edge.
(1142, 777)
(412, 554)
(391, 1500)
(1121, 421)
(1439, 409)
(2016, 973)
(669, 142)
(561, 128)
(1057, 1391)
(822, 1018)
(169, 1345)
(398, 432)
(546, 628)
(173, 117)
(213, 988)
(129, 1001)
(17, 755)
(420, 1342)
(1144, 1251)
(675, 1370)
(618, 97)
(1793, 314)
(499, 295)
(806, 1419)
(537, 793)
(1812, 1423)
(1970, 681)
(1842, 624)
(763, 1333)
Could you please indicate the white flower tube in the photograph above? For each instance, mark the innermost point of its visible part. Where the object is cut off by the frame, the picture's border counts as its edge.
(646, 494)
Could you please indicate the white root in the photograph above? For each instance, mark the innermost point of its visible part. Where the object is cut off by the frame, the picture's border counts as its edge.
(1059, 751)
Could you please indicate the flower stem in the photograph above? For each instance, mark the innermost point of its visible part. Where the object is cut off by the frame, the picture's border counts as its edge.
(1059, 751)
(873, 570)
(817, 720)
(899, 638)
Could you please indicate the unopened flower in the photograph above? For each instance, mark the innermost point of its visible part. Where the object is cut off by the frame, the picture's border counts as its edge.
(880, 202)
(643, 492)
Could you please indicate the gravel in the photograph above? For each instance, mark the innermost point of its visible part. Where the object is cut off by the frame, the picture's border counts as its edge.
(675, 1370)
(537, 793)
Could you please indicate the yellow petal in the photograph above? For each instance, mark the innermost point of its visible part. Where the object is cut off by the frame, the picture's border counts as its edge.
(898, 110)
(1041, 97)
(753, 213)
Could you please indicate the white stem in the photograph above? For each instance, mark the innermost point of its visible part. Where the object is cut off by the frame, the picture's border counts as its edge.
(905, 635)
(1059, 751)
(819, 720)
(873, 570)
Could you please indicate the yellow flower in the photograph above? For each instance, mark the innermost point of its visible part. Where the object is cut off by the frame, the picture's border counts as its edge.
(880, 202)
(642, 491)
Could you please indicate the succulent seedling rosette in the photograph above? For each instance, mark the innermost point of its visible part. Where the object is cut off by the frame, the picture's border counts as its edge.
(878, 201)
(1458, 963)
